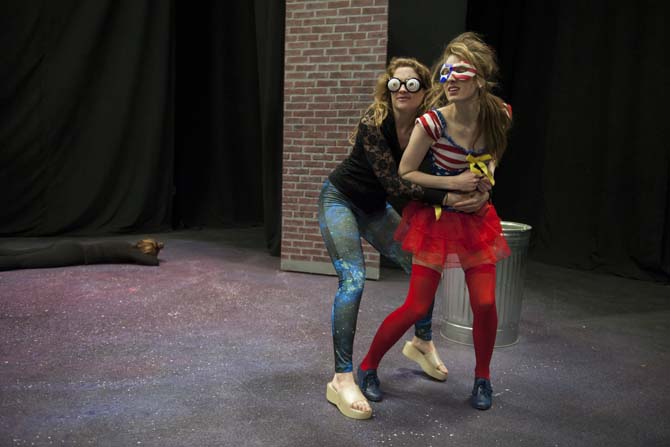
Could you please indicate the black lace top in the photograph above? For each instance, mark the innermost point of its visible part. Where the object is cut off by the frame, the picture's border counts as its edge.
(369, 175)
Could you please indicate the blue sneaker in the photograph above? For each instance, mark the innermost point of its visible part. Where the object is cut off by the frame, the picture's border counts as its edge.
(482, 394)
(369, 384)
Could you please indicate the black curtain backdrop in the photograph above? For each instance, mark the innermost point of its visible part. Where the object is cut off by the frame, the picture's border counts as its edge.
(412, 32)
(588, 165)
(138, 116)
(229, 101)
(85, 116)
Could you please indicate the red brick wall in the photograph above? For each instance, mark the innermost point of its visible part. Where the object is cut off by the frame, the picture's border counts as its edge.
(334, 52)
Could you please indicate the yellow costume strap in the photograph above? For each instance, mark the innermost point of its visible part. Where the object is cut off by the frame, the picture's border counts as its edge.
(438, 211)
(478, 166)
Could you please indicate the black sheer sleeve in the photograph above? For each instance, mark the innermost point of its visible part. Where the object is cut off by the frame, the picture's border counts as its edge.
(378, 153)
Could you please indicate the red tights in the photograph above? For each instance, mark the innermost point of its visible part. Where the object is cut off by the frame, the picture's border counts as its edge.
(481, 281)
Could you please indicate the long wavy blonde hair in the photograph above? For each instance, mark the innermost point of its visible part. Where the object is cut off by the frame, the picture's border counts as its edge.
(493, 121)
(377, 112)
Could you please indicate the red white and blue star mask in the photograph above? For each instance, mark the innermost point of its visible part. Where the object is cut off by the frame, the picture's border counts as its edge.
(460, 71)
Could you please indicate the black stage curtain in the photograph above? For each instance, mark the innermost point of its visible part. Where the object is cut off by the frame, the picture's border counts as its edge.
(86, 115)
(407, 18)
(229, 100)
(138, 115)
(588, 165)
(90, 142)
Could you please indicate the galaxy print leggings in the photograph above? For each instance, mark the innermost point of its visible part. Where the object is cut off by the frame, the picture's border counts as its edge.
(342, 226)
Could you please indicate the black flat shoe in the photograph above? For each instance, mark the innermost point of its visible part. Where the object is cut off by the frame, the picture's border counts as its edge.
(482, 394)
(369, 384)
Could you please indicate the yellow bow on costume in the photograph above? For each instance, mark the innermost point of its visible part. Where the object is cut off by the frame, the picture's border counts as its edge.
(478, 166)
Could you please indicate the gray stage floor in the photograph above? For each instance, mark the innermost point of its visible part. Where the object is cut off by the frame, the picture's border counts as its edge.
(218, 347)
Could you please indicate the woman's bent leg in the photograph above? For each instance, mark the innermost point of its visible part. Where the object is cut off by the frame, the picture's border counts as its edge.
(422, 286)
(378, 230)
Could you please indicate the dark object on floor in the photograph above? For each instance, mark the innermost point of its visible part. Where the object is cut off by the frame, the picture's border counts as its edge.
(68, 253)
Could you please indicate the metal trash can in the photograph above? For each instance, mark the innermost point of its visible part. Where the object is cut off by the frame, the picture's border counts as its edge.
(457, 316)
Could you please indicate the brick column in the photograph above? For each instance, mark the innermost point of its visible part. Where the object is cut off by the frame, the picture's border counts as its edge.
(334, 52)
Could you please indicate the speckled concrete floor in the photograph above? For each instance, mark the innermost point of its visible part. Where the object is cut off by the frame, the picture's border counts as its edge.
(218, 347)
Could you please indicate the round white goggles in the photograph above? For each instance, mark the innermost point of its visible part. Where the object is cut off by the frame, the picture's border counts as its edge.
(412, 85)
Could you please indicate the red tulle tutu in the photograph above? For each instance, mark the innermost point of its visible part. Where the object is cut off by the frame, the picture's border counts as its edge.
(455, 240)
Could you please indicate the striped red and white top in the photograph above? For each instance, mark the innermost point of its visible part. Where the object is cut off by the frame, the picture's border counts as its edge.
(448, 157)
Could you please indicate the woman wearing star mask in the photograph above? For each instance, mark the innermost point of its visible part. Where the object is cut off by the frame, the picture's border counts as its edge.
(353, 205)
(466, 132)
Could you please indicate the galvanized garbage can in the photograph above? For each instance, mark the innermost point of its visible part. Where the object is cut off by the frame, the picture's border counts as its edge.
(457, 316)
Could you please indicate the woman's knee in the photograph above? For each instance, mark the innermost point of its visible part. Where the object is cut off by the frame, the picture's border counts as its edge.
(415, 312)
(481, 281)
(483, 307)
(352, 281)
(352, 286)
(418, 314)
